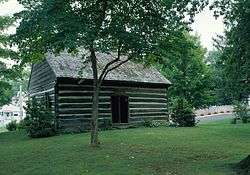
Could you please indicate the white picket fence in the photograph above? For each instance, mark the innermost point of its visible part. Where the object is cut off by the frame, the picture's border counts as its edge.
(214, 110)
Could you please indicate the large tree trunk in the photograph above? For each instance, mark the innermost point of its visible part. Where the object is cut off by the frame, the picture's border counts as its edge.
(95, 111)
(96, 83)
(94, 123)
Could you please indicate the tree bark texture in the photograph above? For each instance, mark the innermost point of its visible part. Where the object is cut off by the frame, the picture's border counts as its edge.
(95, 111)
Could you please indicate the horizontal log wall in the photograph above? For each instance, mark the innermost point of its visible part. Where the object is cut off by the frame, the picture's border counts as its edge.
(42, 82)
(75, 104)
(42, 78)
(42, 96)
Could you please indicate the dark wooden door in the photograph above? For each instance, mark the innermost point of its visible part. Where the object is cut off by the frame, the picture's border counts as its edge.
(124, 109)
(115, 109)
(119, 105)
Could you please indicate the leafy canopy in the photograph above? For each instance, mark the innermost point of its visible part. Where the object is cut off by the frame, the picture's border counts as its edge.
(5, 87)
(235, 45)
(129, 26)
(181, 58)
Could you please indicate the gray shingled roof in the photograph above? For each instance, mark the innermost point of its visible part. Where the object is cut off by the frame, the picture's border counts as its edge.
(66, 65)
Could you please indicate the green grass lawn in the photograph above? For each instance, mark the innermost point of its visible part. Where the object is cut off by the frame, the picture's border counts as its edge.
(210, 148)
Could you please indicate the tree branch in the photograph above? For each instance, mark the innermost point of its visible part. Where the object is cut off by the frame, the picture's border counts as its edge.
(112, 68)
(110, 63)
(94, 65)
(107, 66)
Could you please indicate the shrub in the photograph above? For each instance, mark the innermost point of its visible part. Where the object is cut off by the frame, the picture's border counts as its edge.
(153, 123)
(12, 126)
(182, 113)
(21, 125)
(39, 122)
(147, 123)
(172, 124)
(240, 111)
(244, 120)
(234, 121)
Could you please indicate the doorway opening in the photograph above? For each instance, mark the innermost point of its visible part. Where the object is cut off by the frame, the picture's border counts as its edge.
(119, 107)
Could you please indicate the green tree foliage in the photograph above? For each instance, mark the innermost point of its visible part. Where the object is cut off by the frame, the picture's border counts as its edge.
(235, 45)
(181, 58)
(40, 121)
(5, 93)
(6, 74)
(5, 52)
(22, 81)
(182, 113)
(222, 93)
(10, 83)
(128, 27)
(241, 111)
(5, 87)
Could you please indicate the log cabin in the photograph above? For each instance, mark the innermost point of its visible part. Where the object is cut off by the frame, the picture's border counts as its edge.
(129, 94)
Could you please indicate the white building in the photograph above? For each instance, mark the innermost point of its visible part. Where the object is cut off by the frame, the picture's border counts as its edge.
(9, 113)
(13, 111)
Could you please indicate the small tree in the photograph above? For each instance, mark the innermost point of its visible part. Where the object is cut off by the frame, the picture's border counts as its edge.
(182, 113)
(241, 111)
(127, 27)
(40, 121)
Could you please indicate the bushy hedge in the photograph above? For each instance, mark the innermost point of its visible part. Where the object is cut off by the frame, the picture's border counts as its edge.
(182, 113)
(241, 111)
(40, 121)
(21, 125)
(154, 123)
(12, 126)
